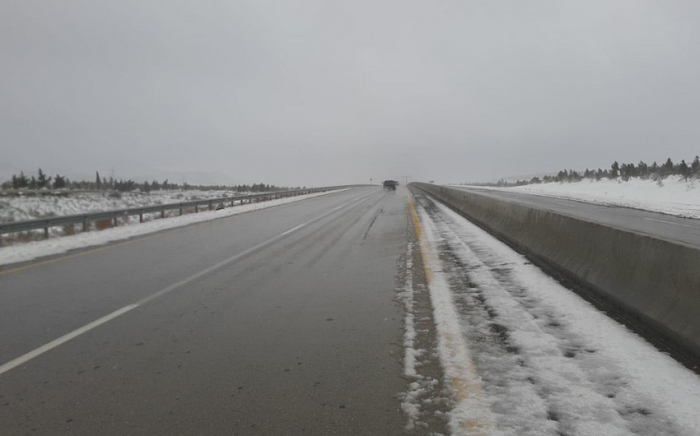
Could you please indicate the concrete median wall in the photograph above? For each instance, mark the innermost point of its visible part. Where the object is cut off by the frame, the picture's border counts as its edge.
(654, 284)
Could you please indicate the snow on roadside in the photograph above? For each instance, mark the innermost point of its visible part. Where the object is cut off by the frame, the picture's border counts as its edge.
(550, 362)
(28, 207)
(409, 402)
(33, 250)
(470, 414)
(425, 402)
(672, 196)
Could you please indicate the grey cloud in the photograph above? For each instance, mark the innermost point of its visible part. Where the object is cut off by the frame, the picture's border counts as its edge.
(324, 92)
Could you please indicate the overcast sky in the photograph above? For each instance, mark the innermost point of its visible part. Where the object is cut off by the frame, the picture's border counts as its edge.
(321, 92)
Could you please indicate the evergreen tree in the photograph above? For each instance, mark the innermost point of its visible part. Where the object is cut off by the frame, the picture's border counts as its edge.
(22, 180)
(615, 170)
(98, 180)
(642, 170)
(628, 171)
(623, 172)
(695, 166)
(43, 181)
(32, 183)
(684, 170)
(59, 182)
(654, 170)
(667, 168)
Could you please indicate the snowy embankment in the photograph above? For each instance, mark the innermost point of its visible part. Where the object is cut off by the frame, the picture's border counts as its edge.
(36, 249)
(535, 358)
(672, 196)
(28, 207)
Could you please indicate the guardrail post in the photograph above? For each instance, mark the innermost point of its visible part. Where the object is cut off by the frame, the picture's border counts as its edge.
(84, 219)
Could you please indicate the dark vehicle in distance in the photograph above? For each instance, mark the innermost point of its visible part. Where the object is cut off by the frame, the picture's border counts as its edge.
(390, 185)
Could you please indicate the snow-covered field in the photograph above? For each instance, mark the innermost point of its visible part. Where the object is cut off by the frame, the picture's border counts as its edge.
(32, 250)
(672, 196)
(29, 207)
(525, 356)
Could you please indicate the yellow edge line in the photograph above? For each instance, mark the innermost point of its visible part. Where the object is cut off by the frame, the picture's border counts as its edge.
(419, 236)
(461, 388)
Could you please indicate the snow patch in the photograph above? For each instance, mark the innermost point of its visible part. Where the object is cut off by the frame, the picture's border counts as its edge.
(471, 414)
(674, 196)
(558, 364)
(28, 207)
(33, 250)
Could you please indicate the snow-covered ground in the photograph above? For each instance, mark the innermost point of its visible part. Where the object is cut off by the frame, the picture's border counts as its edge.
(672, 196)
(32, 250)
(27, 207)
(525, 356)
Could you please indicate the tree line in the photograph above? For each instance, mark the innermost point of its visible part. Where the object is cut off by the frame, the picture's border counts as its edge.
(44, 181)
(619, 171)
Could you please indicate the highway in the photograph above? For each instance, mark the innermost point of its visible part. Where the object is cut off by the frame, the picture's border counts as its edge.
(675, 229)
(279, 321)
(360, 312)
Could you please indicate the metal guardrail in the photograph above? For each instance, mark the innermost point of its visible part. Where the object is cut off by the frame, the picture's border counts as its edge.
(114, 215)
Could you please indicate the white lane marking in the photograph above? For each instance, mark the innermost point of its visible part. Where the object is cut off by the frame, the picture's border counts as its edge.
(86, 328)
(292, 230)
(63, 339)
(667, 222)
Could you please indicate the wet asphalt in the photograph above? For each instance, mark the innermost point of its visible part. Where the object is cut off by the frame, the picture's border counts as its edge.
(299, 333)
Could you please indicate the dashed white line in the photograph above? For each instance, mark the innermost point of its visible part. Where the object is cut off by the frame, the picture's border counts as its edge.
(98, 322)
(63, 339)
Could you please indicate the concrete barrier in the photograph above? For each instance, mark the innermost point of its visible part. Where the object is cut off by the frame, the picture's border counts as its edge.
(652, 283)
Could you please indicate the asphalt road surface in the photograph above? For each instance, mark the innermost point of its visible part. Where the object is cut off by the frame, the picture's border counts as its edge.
(279, 321)
(678, 230)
